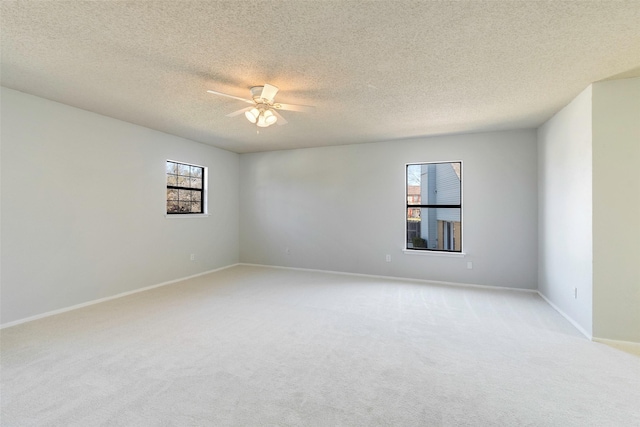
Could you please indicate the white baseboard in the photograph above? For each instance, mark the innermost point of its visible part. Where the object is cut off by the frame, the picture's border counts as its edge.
(626, 346)
(566, 316)
(98, 301)
(406, 279)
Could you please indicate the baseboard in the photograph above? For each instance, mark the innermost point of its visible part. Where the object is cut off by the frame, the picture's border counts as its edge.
(626, 346)
(566, 316)
(406, 279)
(98, 301)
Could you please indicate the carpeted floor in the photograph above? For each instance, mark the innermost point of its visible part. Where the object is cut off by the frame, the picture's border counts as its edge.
(253, 346)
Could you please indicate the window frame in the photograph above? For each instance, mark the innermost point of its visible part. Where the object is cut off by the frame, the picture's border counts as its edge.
(203, 192)
(426, 250)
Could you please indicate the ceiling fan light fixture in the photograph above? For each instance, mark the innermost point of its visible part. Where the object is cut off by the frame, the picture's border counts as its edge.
(270, 118)
(252, 115)
(261, 121)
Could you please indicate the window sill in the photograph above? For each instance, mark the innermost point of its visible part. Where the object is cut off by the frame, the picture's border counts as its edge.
(434, 253)
(167, 216)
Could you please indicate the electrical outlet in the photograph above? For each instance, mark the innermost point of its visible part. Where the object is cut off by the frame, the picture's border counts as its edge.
(388, 258)
(469, 265)
(575, 293)
(192, 257)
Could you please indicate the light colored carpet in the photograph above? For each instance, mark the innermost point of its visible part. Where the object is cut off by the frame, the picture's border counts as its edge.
(252, 346)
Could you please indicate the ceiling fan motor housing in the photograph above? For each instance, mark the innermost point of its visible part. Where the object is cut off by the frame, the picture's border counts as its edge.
(256, 92)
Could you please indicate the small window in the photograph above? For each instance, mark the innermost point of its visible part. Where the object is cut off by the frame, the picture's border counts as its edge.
(185, 188)
(434, 206)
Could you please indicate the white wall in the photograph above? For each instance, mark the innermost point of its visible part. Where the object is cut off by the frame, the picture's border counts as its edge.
(343, 208)
(616, 209)
(564, 204)
(83, 207)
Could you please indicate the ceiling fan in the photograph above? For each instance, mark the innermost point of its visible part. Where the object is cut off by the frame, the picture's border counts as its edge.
(263, 111)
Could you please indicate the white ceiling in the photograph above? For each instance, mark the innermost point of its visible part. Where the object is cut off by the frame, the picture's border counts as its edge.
(375, 70)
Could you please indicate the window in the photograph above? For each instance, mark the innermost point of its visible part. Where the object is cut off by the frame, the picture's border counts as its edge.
(434, 206)
(186, 186)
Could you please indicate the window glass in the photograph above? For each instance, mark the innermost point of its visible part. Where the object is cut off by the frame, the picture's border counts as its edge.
(185, 188)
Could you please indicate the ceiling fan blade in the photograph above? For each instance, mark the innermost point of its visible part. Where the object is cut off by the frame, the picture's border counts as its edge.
(237, 113)
(231, 96)
(281, 120)
(269, 92)
(293, 107)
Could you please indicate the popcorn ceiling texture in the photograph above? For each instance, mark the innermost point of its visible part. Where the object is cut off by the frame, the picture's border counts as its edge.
(374, 70)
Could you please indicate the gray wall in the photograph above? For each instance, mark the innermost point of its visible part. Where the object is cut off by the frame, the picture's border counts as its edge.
(564, 203)
(616, 210)
(589, 210)
(83, 204)
(343, 208)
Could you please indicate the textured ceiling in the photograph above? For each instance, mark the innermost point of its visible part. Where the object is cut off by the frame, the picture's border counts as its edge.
(375, 70)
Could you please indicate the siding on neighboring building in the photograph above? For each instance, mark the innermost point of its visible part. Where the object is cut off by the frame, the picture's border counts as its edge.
(440, 184)
(448, 191)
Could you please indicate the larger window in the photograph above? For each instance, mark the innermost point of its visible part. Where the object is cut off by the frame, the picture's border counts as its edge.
(185, 188)
(434, 206)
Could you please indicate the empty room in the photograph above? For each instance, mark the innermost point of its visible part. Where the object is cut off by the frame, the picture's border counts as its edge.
(320, 213)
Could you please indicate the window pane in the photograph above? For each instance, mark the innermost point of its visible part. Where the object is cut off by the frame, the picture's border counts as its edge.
(196, 196)
(172, 180)
(434, 184)
(172, 168)
(196, 171)
(196, 207)
(183, 181)
(172, 194)
(184, 170)
(196, 183)
(434, 228)
(172, 207)
(184, 206)
(184, 195)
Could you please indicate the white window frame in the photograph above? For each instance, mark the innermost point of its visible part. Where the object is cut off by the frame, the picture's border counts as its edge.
(431, 252)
